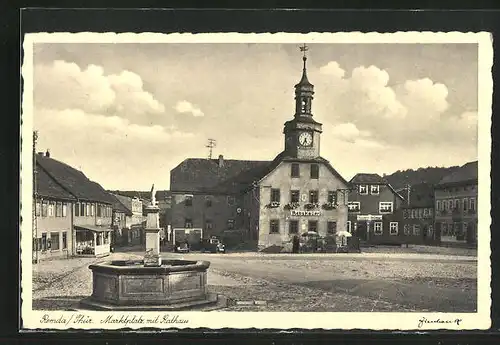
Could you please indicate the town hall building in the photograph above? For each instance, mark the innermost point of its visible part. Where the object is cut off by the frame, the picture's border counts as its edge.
(270, 202)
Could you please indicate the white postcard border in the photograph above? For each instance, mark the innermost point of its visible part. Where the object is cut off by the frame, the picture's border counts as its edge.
(33, 319)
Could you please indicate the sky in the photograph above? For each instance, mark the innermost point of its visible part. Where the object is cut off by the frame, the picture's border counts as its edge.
(126, 114)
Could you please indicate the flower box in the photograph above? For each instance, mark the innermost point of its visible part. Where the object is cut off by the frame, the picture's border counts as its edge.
(274, 204)
(329, 206)
(311, 206)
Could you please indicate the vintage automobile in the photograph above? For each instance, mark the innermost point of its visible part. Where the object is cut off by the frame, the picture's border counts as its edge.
(181, 247)
(212, 245)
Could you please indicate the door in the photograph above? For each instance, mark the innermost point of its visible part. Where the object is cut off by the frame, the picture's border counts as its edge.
(361, 231)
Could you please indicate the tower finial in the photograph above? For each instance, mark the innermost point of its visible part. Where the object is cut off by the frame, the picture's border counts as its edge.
(304, 48)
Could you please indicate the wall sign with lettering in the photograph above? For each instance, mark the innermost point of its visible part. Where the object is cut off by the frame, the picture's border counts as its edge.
(305, 213)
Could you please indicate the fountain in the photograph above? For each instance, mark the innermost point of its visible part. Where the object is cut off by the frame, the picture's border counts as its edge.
(153, 283)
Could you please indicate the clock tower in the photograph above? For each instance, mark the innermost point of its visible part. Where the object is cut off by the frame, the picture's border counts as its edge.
(302, 133)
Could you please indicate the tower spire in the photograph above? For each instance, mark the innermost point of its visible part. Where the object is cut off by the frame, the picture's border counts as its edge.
(304, 81)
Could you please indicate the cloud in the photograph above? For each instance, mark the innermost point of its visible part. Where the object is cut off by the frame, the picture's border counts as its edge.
(186, 107)
(64, 85)
(405, 113)
(348, 132)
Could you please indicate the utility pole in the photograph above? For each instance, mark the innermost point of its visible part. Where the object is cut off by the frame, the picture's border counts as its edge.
(35, 199)
(211, 144)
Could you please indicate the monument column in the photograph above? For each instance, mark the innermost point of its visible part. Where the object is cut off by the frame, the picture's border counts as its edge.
(152, 233)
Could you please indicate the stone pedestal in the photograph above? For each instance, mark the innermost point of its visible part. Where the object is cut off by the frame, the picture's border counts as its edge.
(152, 232)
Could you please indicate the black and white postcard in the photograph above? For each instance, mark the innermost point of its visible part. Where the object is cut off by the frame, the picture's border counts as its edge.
(268, 181)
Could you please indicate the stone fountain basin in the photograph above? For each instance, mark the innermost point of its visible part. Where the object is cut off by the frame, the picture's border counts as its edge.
(128, 283)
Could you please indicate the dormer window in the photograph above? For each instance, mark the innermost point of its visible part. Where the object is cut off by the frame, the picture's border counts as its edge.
(374, 189)
(188, 201)
(363, 189)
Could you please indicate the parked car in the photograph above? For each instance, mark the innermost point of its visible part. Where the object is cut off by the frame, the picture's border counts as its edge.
(181, 247)
(212, 245)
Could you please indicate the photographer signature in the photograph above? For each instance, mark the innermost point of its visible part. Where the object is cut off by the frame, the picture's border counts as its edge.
(422, 321)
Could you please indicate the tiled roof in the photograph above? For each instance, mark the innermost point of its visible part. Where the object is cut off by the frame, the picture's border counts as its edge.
(466, 173)
(119, 206)
(204, 175)
(421, 195)
(49, 188)
(368, 178)
(72, 180)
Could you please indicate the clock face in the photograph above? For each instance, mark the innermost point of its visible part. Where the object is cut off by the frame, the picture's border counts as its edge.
(305, 139)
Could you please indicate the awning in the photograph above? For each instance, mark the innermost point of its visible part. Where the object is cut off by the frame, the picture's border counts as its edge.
(92, 228)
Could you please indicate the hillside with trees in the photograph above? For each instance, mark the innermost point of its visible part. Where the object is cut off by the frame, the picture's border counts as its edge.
(430, 175)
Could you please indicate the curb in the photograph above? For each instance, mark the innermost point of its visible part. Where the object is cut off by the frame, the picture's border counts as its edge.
(247, 303)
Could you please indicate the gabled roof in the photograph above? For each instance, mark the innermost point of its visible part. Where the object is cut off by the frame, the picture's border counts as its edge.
(72, 180)
(369, 178)
(119, 206)
(49, 188)
(235, 176)
(467, 173)
(421, 195)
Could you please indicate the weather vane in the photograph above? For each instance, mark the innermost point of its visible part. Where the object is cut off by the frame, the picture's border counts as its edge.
(304, 48)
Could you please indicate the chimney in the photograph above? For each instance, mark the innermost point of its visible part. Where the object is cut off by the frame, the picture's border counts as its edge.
(47, 153)
(221, 161)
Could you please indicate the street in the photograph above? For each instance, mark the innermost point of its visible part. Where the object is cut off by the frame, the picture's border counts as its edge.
(315, 282)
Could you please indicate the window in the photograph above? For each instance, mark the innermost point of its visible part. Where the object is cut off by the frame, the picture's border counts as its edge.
(438, 205)
(465, 204)
(293, 227)
(92, 210)
(44, 241)
(98, 210)
(385, 207)
(64, 209)
(444, 205)
(188, 201)
(393, 228)
(377, 230)
(87, 210)
(313, 225)
(331, 227)
(374, 189)
(275, 195)
(314, 171)
(230, 200)
(405, 214)
(274, 226)
(332, 197)
(208, 201)
(450, 204)
(430, 231)
(444, 229)
(406, 229)
(420, 213)
(313, 197)
(294, 196)
(348, 226)
(188, 223)
(54, 241)
(59, 209)
(230, 224)
(416, 229)
(472, 204)
(37, 208)
(354, 206)
(456, 204)
(82, 209)
(295, 170)
(50, 209)
(208, 224)
(426, 212)
(64, 240)
(363, 189)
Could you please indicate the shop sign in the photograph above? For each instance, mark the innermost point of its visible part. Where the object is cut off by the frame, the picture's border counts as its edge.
(305, 213)
(369, 217)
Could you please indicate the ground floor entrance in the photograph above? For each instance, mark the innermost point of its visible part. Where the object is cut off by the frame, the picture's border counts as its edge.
(92, 241)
